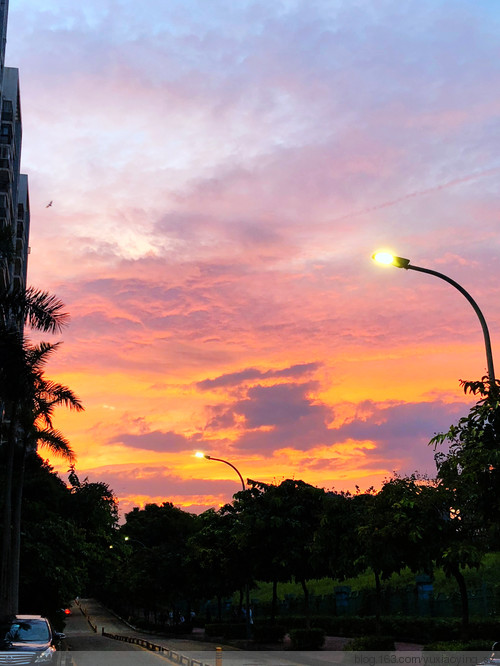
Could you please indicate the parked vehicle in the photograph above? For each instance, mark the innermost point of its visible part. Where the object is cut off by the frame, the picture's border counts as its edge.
(28, 639)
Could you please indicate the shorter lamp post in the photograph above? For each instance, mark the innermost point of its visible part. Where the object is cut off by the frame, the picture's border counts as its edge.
(400, 262)
(127, 538)
(200, 454)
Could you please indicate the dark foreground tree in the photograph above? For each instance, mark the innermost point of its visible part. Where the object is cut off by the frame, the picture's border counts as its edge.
(158, 563)
(54, 549)
(469, 472)
(276, 526)
(400, 527)
(215, 559)
(26, 403)
(93, 508)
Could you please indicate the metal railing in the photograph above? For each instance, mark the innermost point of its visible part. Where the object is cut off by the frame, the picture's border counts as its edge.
(172, 655)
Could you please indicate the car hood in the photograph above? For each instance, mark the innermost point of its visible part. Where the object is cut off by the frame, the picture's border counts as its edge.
(25, 647)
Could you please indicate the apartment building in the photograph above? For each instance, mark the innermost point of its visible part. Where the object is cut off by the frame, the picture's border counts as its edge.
(14, 198)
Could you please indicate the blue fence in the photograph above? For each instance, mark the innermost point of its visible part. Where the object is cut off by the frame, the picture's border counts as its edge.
(418, 600)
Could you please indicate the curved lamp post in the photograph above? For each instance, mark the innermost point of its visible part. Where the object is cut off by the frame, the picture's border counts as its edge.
(200, 454)
(400, 262)
(127, 538)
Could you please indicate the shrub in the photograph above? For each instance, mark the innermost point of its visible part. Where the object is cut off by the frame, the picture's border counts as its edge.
(461, 646)
(269, 633)
(226, 630)
(367, 643)
(307, 639)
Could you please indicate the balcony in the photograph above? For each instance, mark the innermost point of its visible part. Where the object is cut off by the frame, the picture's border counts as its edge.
(6, 156)
(6, 179)
(4, 273)
(5, 208)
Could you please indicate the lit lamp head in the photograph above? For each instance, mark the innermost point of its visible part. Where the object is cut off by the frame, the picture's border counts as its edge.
(200, 454)
(390, 259)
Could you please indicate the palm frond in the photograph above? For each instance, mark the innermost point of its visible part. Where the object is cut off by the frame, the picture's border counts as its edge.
(55, 441)
(38, 355)
(56, 394)
(39, 309)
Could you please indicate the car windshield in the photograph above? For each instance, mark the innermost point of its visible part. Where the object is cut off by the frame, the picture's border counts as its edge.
(28, 631)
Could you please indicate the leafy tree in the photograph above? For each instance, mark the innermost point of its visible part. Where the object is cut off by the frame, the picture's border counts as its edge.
(336, 544)
(93, 509)
(54, 550)
(278, 525)
(469, 472)
(397, 529)
(159, 566)
(471, 464)
(214, 557)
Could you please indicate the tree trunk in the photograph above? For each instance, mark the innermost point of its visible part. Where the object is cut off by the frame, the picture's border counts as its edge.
(464, 599)
(16, 527)
(274, 602)
(219, 608)
(7, 603)
(306, 603)
(378, 602)
(241, 599)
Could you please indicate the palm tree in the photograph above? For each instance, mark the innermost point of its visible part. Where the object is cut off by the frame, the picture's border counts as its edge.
(37, 428)
(27, 402)
(39, 309)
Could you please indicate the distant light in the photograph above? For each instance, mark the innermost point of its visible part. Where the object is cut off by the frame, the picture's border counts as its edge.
(199, 454)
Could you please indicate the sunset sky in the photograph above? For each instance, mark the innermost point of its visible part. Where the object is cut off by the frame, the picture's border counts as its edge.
(221, 172)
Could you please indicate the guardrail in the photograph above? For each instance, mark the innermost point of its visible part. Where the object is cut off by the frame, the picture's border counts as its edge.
(91, 622)
(172, 655)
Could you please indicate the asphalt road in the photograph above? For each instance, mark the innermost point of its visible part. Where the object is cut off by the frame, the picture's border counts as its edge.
(87, 647)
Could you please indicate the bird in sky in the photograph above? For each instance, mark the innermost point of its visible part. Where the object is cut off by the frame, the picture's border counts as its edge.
(49, 204)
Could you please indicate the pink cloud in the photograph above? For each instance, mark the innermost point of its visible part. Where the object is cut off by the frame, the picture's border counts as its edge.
(220, 178)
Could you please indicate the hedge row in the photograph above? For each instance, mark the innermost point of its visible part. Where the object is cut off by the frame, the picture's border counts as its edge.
(307, 639)
(410, 629)
(369, 643)
(262, 632)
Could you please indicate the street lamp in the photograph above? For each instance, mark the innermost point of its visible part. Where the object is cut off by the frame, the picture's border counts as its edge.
(128, 538)
(200, 454)
(391, 260)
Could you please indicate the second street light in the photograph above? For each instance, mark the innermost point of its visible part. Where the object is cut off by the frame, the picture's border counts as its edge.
(200, 454)
(401, 262)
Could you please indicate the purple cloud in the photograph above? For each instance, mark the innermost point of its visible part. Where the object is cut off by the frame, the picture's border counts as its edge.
(154, 441)
(250, 374)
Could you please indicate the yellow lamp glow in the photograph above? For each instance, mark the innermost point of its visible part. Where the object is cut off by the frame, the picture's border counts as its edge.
(383, 257)
(391, 260)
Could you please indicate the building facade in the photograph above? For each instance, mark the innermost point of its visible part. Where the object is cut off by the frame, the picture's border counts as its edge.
(14, 199)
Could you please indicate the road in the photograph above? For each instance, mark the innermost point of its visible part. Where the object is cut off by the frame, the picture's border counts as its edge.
(87, 647)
